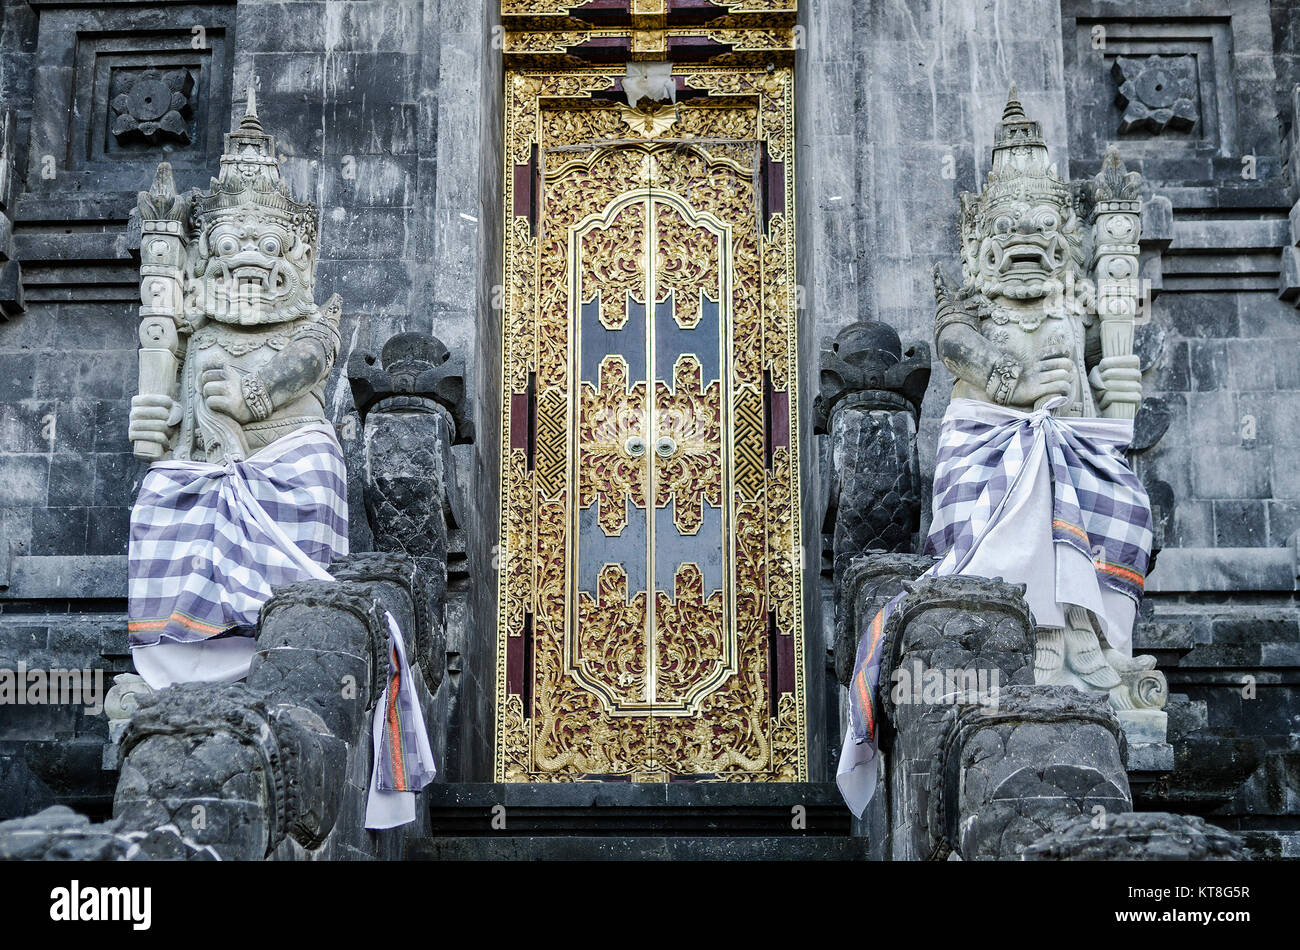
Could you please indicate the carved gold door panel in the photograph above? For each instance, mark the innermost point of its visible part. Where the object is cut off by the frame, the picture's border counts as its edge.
(649, 613)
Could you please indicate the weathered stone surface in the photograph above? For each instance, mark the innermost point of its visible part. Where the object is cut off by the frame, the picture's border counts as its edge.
(415, 373)
(60, 834)
(866, 586)
(869, 401)
(1011, 770)
(1135, 836)
(402, 584)
(229, 770)
(322, 645)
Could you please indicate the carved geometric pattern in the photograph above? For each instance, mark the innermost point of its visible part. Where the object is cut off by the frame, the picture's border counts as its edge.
(551, 438)
(747, 407)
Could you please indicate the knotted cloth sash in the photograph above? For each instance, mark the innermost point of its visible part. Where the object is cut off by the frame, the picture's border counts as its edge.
(1036, 499)
(208, 544)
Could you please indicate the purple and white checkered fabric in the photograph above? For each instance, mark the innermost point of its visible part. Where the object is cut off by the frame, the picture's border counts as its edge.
(202, 557)
(1099, 505)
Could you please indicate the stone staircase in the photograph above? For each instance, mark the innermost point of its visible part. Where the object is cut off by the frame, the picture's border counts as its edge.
(637, 822)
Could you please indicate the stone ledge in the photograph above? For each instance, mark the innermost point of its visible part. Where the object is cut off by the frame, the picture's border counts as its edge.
(1198, 570)
(85, 575)
(693, 848)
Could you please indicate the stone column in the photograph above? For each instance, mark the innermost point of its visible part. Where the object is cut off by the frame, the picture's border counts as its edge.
(869, 401)
(412, 407)
(948, 633)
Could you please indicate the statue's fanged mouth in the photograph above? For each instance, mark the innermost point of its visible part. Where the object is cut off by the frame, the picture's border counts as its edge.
(1026, 260)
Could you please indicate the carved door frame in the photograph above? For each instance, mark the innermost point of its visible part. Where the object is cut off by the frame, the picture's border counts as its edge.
(723, 112)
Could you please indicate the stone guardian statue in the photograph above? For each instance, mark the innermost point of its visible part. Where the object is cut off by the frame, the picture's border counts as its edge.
(248, 488)
(1032, 335)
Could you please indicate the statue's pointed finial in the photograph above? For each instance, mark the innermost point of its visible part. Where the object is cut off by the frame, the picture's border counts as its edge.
(1013, 111)
(251, 122)
(164, 183)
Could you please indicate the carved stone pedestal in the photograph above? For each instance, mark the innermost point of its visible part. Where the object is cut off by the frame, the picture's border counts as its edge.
(869, 401)
(980, 763)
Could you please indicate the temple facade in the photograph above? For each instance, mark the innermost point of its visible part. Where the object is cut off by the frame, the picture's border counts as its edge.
(623, 313)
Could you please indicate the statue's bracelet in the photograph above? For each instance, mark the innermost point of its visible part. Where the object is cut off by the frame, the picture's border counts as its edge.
(257, 398)
(1002, 381)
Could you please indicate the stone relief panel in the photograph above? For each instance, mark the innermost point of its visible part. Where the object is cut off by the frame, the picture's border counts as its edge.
(1165, 81)
(1156, 92)
(132, 87)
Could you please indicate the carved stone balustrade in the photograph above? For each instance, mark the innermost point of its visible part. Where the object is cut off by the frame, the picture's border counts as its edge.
(980, 763)
(277, 766)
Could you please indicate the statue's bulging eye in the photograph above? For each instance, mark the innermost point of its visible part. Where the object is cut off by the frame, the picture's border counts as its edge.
(1002, 224)
(227, 245)
(270, 245)
(1047, 222)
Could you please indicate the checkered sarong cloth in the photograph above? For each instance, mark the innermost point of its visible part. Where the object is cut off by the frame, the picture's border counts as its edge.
(205, 551)
(403, 758)
(1099, 507)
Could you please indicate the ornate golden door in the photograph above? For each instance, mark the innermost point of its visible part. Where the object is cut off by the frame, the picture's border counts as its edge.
(649, 601)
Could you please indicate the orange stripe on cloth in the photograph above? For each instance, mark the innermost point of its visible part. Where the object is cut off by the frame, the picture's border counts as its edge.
(1120, 570)
(136, 626)
(395, 727)
(1074, 529)
(875, 632)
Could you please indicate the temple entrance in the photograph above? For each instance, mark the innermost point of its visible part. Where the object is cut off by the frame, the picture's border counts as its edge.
(650, 626)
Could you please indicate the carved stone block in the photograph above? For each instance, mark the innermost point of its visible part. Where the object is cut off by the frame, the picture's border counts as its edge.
(232, 772)
(1135, 836)
(1156, 92)
(1012, 770)
(402, 585)
(323, 646)
(867, 584)
(963, 631)
(122, 59)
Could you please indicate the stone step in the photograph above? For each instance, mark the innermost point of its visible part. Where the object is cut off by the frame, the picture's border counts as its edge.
(641, 848)
(637, 810)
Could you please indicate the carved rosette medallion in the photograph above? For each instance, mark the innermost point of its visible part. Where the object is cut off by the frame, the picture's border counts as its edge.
(650, 622)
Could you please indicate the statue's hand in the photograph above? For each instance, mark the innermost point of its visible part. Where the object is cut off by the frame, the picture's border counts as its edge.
(1047, 375)
(223, 391)
(152, 418)
(1117, 380)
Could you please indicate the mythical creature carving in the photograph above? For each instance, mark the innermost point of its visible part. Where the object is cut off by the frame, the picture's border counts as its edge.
(1044, 322)
(235, 350)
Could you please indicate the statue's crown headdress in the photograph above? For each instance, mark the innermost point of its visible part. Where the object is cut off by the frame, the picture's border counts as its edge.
(250, 175)
(1021, 169)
